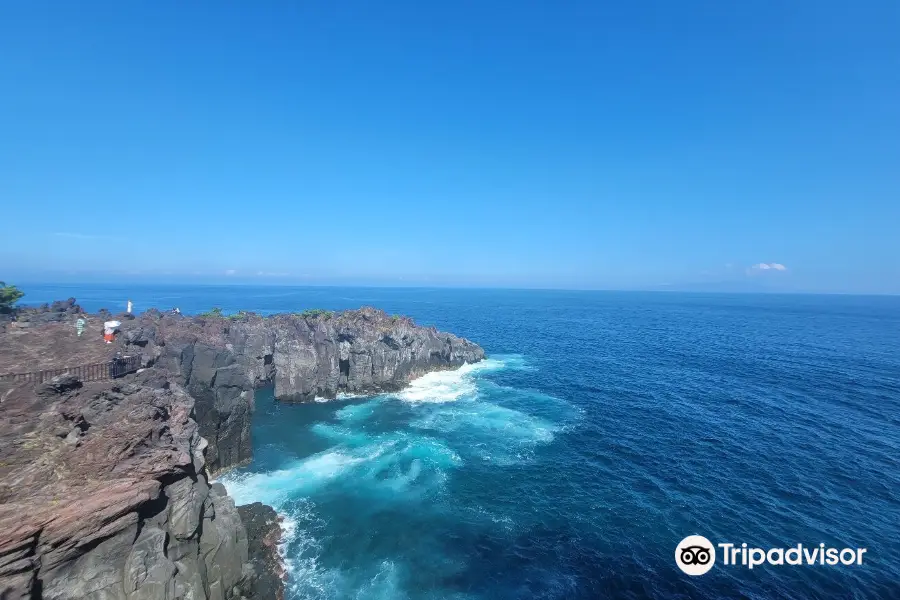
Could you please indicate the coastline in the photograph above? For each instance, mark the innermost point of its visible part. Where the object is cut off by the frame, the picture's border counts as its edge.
(207, 368)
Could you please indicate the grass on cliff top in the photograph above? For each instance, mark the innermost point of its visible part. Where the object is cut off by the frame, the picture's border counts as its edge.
(217, 313)
(240, 315)
(315, 313)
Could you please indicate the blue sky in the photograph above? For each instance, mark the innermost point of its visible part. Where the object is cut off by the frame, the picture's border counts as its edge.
(538, 144)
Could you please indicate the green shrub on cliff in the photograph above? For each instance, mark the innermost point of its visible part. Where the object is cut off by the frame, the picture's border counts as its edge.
(214, 312)
(9, 295)
(314, 313)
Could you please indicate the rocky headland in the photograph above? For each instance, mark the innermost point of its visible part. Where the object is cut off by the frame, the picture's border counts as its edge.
(105, 485)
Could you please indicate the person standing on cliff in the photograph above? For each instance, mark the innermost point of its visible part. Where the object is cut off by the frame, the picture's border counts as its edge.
(130, 306)
(109, 331)
(79, 325)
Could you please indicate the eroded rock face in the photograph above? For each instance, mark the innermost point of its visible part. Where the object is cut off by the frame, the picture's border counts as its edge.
(220, 361)
(361, 351)
(104, 495)
(263, 535)
(357, 351)
(104, 490)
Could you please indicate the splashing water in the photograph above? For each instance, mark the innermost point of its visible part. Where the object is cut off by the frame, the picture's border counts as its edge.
(385, 455)
(447, 386)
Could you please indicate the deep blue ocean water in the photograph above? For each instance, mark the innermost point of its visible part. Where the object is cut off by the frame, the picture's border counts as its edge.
(603, 429)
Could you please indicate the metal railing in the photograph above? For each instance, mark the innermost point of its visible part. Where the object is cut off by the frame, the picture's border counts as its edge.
(110, 369)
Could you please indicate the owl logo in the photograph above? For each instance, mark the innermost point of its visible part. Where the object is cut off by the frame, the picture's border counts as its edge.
(695, 555)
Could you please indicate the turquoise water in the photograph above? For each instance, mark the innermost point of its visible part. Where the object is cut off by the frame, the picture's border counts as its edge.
(604, 428)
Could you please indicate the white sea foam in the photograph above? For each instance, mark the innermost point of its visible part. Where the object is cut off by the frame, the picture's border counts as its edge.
(340, 434)
(276, 487)
(340, 396)
(358, 412)
(391, 467)
(402, 466)
(448, 386)
(506, 432)
(384, 584)
(300, 548)
(489, 421)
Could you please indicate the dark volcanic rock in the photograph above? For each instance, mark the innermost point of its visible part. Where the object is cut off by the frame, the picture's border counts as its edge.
(104, 495)
(356, 351)
(104, 490)
(220, 361)
(263, 536)
(61, 310)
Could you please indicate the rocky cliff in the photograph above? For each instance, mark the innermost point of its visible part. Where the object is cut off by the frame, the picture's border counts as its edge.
(220, 360)
(263, 535)
(356, 351)
(104, 486)
(104, 495)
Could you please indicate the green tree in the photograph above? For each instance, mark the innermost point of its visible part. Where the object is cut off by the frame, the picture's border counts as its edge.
(9, 295)
(214, 313)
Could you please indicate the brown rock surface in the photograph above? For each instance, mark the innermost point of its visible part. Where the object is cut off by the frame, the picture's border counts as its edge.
(104, 491)
(103, 494)
(264, 534)
(26, 346)
(220, 360)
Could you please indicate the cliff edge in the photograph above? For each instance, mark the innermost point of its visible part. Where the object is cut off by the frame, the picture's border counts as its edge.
(104, 485)
(221, 360)
(104, 495)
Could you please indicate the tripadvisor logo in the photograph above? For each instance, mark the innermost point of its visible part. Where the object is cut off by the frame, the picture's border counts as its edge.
(696, 555)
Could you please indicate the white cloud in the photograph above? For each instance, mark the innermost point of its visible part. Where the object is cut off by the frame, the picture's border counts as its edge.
(766, 267)
(230, 272)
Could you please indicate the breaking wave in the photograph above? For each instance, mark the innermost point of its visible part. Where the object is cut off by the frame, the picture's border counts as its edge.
(384, 454)
(447, 386)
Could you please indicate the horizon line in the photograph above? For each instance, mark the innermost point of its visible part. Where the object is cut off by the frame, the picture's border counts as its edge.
(660, 289)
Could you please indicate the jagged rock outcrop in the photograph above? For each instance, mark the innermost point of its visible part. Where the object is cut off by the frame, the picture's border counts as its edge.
(55, 312)
(104, 495)
(104, 489)
(220, 360)
(355, 351)
(263, 536)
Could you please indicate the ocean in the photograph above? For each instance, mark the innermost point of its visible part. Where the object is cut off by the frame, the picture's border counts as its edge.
(603, 429)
